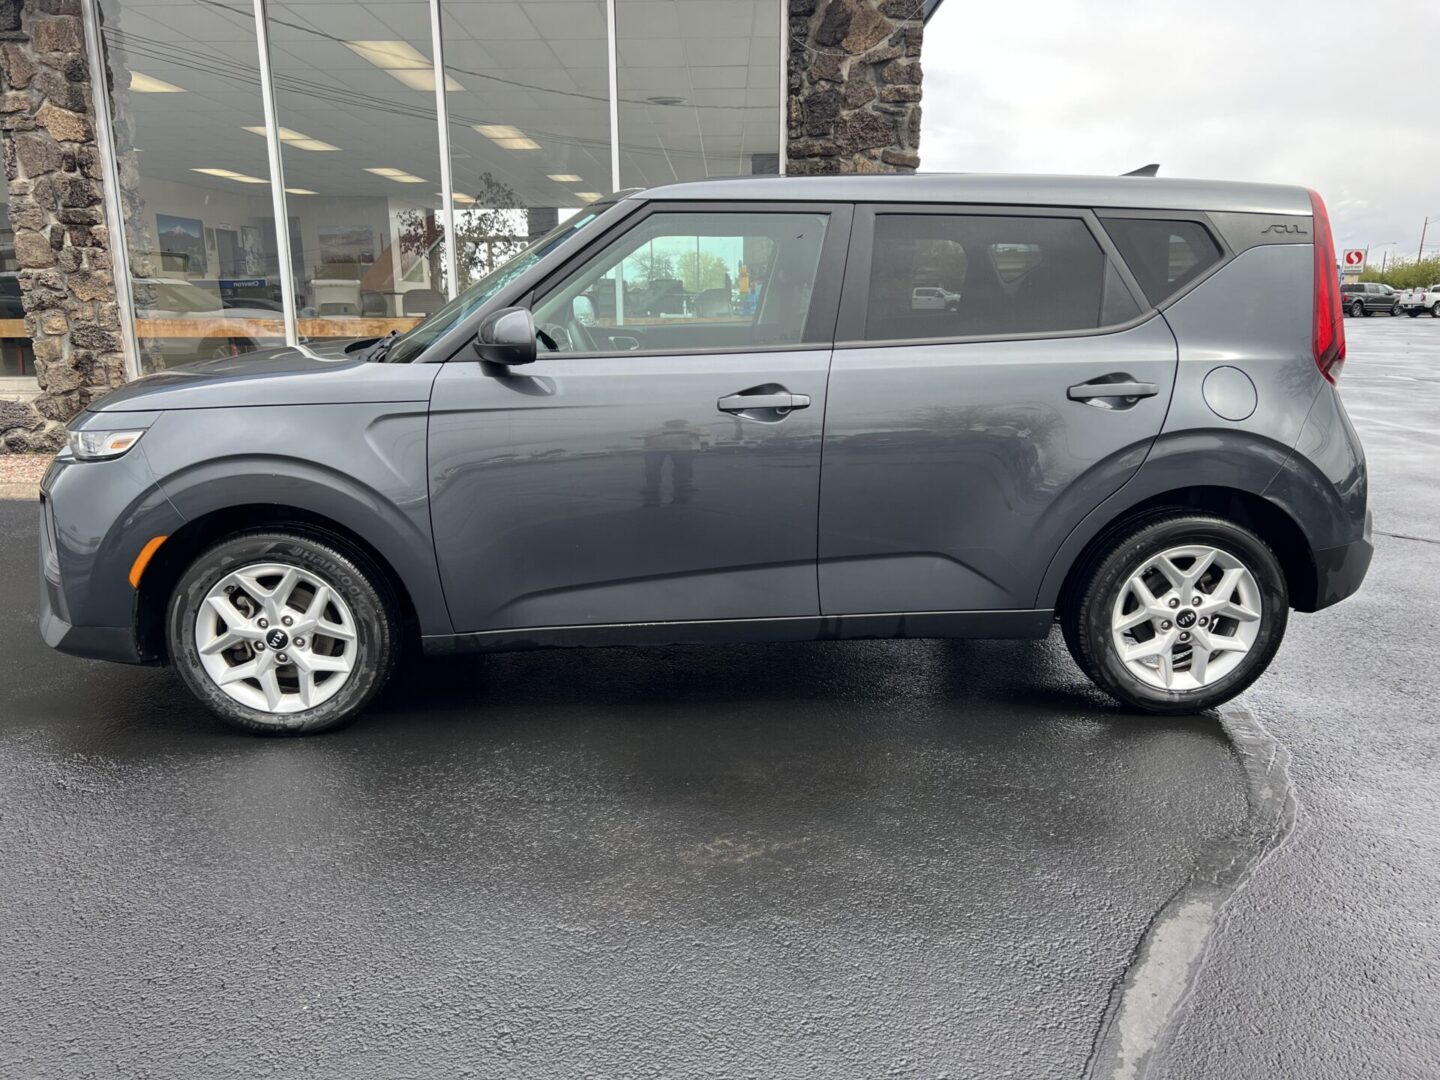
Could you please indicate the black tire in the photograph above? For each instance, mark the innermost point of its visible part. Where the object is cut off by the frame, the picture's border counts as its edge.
(1085, 619)
(1395, 311)
(1435, 311)
(363, 588)
(1357, 309)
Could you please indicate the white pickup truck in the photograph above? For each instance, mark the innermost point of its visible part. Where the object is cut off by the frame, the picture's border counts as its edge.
(1417, 301)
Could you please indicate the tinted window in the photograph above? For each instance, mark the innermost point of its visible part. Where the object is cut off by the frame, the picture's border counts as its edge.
(682, 281)
(962, 275)
(1164, 256)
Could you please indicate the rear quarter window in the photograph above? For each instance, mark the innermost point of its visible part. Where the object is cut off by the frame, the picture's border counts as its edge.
(1164, 255)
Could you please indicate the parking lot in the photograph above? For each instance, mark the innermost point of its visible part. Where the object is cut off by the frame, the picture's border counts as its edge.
(929, 859)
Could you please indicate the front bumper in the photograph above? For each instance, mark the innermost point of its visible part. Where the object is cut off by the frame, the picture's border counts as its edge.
(94, 642)
(1340, 570)
(95, 519)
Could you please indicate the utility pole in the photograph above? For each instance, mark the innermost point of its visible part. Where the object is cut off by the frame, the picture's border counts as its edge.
(1421, 253)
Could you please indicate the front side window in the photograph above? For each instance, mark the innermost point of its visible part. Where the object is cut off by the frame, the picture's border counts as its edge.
(967, 275)
(683, 281)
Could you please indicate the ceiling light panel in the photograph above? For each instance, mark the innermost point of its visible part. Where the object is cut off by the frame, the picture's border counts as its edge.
(400, 176)
(148, 84)
(499, 131)
(402, 62)
(231, 174)
(299, 141)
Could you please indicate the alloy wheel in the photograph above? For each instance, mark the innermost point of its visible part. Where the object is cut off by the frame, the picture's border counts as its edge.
(276, 638)
(1186, 617)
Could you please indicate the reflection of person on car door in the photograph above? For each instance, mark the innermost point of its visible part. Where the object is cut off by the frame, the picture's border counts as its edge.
(677, 440)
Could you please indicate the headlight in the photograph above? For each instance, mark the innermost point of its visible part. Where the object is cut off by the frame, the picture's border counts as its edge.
(102, 445)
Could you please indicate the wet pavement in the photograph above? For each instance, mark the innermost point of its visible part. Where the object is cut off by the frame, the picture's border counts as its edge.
(912, 858)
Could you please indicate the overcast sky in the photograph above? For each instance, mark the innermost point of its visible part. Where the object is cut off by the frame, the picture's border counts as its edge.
(1342, 99)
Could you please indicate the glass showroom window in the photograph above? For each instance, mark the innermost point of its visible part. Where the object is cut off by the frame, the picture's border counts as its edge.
(699, 89)
(355, 101)
(529, 107)
(199, 224)
(17, 359)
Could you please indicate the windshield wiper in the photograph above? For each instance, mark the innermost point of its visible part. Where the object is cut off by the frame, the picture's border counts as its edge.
(377, 352)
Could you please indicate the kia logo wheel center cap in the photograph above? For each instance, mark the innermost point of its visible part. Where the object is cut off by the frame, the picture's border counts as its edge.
(1185, 619)
(277, 638)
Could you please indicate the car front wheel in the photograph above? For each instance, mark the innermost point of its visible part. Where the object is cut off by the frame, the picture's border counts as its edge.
(1180, 614)
(282, 633)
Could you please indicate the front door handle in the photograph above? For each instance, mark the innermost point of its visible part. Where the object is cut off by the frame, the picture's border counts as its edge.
(1087, 390)
(746, 401)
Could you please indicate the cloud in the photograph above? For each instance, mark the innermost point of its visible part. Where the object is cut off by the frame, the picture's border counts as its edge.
(1287, 92)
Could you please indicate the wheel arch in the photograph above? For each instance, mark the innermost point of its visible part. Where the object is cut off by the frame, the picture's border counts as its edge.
(182, 547)
(1261, 516)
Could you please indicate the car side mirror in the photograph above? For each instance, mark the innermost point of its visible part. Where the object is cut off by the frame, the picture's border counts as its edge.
(582, 310)
(507, 337)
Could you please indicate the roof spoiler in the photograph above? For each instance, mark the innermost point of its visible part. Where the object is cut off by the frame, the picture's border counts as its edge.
(1143, 170)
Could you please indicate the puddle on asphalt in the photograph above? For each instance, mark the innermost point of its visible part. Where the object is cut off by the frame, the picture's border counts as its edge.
(1148, 1004)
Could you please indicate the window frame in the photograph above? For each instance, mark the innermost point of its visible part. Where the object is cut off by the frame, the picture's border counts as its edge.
(855, 296)
(820, 321)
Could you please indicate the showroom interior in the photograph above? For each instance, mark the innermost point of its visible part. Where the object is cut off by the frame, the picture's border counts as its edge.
(404, 149)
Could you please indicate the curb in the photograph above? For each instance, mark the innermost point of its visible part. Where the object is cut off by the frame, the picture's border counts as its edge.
(26, 492)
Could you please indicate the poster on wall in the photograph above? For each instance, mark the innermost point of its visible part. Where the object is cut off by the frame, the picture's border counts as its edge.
(346, 244)
(252, 248)
(182, 243)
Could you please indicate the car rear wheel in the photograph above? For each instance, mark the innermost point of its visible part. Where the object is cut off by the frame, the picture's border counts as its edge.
(278, 632)
(1179, 614)
(1356, 309)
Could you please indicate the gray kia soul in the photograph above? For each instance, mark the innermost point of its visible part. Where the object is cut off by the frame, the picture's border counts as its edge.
(736, 411)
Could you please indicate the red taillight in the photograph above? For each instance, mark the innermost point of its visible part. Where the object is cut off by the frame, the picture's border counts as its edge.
(1329, 336)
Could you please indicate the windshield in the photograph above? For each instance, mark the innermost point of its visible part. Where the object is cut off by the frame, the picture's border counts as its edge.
(416, 340)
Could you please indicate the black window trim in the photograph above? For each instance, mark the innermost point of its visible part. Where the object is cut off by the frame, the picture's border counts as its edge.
(854, 306)
(819, 330)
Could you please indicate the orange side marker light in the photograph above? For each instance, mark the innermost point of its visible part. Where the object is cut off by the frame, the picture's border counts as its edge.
(143, 559)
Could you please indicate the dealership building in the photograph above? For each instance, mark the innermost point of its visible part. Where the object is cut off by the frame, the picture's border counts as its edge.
(187, 179)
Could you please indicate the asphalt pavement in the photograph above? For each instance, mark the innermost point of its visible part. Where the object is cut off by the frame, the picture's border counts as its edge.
(863, 859)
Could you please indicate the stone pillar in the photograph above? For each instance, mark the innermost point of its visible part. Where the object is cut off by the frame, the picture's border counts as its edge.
(62, 245)
(854, 86)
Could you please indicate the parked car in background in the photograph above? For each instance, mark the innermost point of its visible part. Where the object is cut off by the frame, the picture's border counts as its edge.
(1422, 300)
(933, 298)
(1368, 297)
(1099, 433)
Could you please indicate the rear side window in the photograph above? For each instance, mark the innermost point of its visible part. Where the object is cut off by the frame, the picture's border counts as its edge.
(1164, 256)
(966, 275)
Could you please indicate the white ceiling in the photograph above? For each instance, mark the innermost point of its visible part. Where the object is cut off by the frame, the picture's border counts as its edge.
(538, 65)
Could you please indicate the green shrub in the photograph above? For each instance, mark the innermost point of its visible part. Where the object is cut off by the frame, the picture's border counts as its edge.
(1405, 275)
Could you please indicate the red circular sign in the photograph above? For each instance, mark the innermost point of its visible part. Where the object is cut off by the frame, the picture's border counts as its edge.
(1355, 258)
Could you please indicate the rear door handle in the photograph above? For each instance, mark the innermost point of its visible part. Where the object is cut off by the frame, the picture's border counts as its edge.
(1086, 391)
(745, 402)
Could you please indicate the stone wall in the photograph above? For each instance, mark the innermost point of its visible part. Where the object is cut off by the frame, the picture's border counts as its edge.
(56, 209)
(854, 82)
